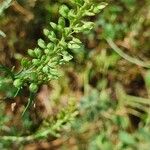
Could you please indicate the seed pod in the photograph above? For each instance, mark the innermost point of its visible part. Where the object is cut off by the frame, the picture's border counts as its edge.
(45, 69)
(33, 76)
(38, 52)
(41, 43)
(46, 32)
(17, 83)
(31, 53)
(71, 15)
(50, 46)
(61, 22)
(35, 62)
(46, 51)
(73, 45)
(99, 7)
(88, 26)
(25, 62)
(66, 56)
(33, 88)
(64, 10)
(53, 25)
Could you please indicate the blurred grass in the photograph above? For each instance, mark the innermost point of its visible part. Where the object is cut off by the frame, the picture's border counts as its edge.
(110, 93)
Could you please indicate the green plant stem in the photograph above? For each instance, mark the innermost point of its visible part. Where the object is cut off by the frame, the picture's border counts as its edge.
(125, 56)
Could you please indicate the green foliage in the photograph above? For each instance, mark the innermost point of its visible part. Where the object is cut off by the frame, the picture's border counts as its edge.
(44, 62)
(49, 55)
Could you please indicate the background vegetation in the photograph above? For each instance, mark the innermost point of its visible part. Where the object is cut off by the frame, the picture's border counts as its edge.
(102, 99)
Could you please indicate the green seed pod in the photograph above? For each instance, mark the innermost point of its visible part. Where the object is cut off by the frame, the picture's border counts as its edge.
(46, 51)
(60, 28)
(66, 56)
(87, 26)
(50, 46)
(31, 53)
(63, 44)
(98, 8)
(43, 58)
(33, 76)
(33, 87)
(45, 69)
(62, 22)
(71, 15)
(35, 62)
(53, 25)
(18, 83)
(41, 43)
(38, 52)
(73, 45)
(52, 36)
(46, 32)
(87, 13)
(52, 64)
(76, 40)
(25, 62)
(64, 10)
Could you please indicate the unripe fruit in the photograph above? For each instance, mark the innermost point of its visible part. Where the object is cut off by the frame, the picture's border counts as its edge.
(41, 43)
(46, 32)
(38, 52)
(31, 53)
(62, 22)
(64, 10)
(33, 87)
(17, 83)
(45, 69)
(25, 62)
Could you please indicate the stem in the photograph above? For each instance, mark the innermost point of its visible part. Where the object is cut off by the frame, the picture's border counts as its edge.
(125, 56)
